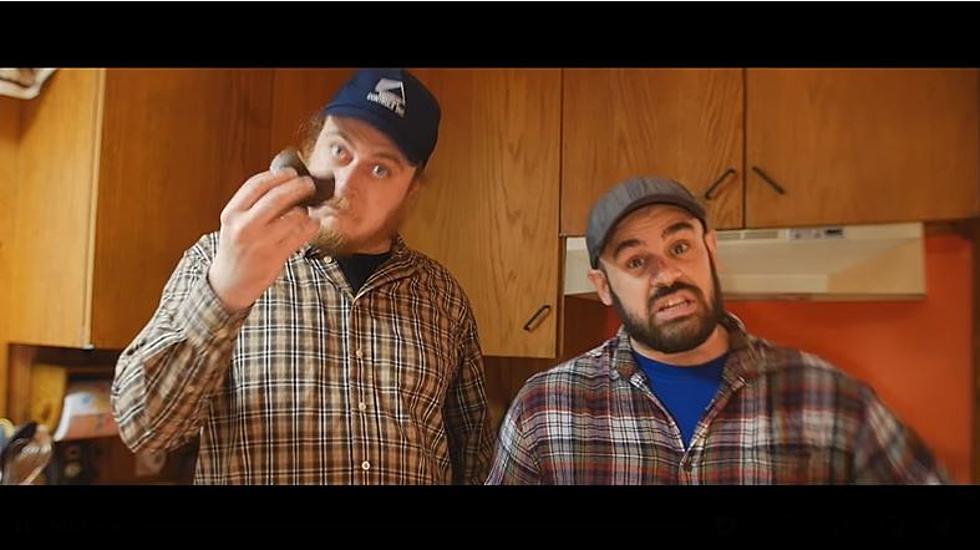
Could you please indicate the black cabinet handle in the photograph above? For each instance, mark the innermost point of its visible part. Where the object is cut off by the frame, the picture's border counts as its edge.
(772, 183)
(711, 188)
(536, 319)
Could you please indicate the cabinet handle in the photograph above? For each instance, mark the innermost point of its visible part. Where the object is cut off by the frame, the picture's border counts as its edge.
(772, 183)
(707, 194)
(536, 319)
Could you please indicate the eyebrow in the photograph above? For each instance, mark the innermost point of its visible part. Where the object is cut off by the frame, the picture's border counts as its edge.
(674, 228)
(679, 226)
(392, 158)
(337, 133)
(624, 245)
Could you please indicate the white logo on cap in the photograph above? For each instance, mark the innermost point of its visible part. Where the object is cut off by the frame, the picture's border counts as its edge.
(389, 94)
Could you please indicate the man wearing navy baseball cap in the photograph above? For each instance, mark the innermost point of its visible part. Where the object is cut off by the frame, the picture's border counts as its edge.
(305, 343)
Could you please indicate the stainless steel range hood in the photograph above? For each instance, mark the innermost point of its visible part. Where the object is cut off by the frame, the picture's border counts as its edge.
(850, 262)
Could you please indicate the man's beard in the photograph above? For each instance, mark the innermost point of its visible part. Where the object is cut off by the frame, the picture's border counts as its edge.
(331, 242)
(677, 335)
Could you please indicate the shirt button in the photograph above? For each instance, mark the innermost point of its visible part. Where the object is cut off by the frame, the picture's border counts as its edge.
(365, 465)
(359, 354)
(362, 406)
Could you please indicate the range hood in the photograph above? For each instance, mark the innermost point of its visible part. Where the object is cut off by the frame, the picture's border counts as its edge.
(848, 262)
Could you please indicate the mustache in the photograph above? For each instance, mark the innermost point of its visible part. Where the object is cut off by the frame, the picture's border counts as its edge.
(340, 204)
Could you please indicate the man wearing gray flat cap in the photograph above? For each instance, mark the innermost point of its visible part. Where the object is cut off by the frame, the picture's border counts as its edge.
(682, 394)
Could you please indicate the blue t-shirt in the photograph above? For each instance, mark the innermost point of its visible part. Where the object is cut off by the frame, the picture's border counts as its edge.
(684, 391)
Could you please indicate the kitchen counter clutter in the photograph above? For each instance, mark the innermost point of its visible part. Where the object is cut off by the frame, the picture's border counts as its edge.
(24, 453)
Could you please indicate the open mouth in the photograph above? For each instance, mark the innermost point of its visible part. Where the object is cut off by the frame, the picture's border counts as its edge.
(674, 303)
(674, 307)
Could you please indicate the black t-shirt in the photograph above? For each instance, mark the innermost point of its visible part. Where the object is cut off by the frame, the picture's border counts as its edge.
(358, 267)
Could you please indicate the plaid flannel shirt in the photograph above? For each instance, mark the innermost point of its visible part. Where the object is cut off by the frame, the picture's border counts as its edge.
(312, 384)
(781, 416)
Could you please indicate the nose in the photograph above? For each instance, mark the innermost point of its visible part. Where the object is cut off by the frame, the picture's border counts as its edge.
(345, 179)
(665, 273)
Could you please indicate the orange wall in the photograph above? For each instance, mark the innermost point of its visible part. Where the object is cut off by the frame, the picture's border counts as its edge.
(917, 355)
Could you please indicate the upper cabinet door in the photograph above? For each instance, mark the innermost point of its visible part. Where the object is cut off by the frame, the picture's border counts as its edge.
(175, 146)
(488, 207)
(685, 124)
(860, 146)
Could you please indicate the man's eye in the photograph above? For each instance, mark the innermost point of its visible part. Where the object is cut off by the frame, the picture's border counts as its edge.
(680, 248)
(635, 262)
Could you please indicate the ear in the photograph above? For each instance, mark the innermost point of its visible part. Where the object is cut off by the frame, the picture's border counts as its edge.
(419, 176)
(414, 187)
(601, 284)
(711, 241)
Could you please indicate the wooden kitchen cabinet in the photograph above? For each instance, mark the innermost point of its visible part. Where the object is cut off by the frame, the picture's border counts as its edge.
(48, 193)
(861, 145)
(844, 146)
(9, 122)
(117, 172)
(685, 124)
(489, 207)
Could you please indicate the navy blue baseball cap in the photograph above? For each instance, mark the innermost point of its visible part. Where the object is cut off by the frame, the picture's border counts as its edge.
(397, 104)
